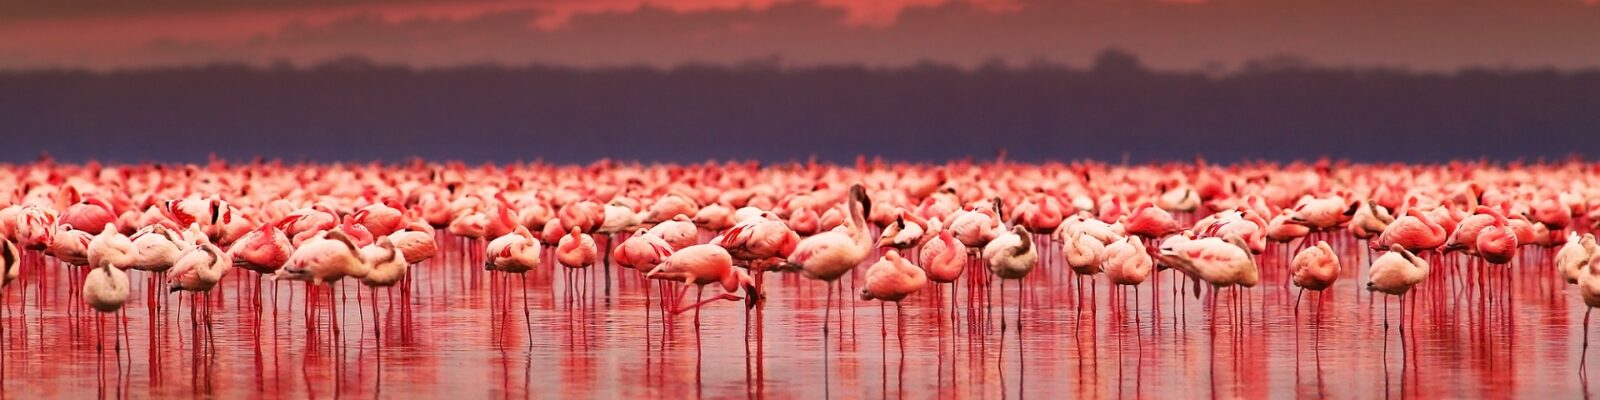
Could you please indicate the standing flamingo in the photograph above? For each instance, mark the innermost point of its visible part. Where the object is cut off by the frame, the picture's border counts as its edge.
(677, 231)
(263, 250)
(576, 251)
(325, 259)
(704, 264)
(1315, 268)
(944, 258)
(1575, 255)
(1413, 231)
(415, 241)
(1589, 290)
(1011, 257)
(110, 247)
(1395, 273)
(106, 289)
(891, 279)
(901, 234)
(830, 255)
(386, 265)
(1126, 262)
(643, 252)
(1220, 263)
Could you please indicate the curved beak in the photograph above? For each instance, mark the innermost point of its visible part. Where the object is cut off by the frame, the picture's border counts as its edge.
(752, 296)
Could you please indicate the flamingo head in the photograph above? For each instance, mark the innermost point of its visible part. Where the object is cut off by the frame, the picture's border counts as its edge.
(1354, 206)
(219, 212)
(738, 278)
(859, 194)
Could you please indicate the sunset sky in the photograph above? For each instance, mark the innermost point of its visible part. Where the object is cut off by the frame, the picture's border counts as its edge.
(1168, 34)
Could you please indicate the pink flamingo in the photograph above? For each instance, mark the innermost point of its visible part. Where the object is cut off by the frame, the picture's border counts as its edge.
(1575, 254)
(704, 264)
(891, 279)
(830, 255)
(944, 258)
(1011, 257)
(1413, 231)
(1315, 268)
(1395, 273)
(576, 251)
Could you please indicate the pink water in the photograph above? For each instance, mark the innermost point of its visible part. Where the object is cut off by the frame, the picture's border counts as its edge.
(1513, 334)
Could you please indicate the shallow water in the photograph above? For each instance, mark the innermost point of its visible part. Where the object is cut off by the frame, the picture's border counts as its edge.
(461, 333)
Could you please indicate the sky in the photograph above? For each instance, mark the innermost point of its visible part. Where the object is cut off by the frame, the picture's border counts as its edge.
(1438, 35)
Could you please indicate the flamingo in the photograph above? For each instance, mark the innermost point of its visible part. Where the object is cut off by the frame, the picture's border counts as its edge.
(944, 258)
(325, 258)
(1575, 255)
(1126, 262)
(1369, 220)
(830, 255)
(1413, 231)
(1323, 214)
(1496, 243)
(109, 247)
(386, 265)
(1179, 199)
(901, 234)
(92, 213)
(575, 251)
(1465, 236)
(756, 240)
(34, 227)
(416, 242)
(197, 271)
(1315, 268)
(1280, 230)
(643, 252)
(1395, 273)
(70, 245)
(979, 225)
(516, 252)
(669, 206)
(105, 289)
(263, 250)
(1589, 291)
(381, 219)
(678, 231)
(1221, 263)
(1011, 257)
(704, 264)
(715, 217)
(1043, 217)
(1151, 223)
(891, 279)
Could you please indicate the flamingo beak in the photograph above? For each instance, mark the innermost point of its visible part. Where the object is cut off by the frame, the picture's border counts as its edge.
(752, 297)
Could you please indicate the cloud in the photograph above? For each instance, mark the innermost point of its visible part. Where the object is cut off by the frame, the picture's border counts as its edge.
(1166, 33)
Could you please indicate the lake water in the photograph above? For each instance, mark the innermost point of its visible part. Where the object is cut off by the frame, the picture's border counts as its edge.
(1470, 332)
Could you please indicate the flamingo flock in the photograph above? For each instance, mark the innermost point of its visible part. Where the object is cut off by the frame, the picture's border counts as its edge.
(1205, 229)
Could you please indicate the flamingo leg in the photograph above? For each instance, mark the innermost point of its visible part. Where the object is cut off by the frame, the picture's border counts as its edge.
(527, 316)
(1583, 356)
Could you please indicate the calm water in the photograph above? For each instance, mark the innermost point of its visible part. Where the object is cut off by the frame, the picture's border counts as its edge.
(462, 334)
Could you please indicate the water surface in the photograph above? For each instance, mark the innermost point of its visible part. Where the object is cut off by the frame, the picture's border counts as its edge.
(1470, 332)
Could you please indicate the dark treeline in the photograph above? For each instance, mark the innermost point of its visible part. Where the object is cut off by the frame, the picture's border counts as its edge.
(353, 110)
